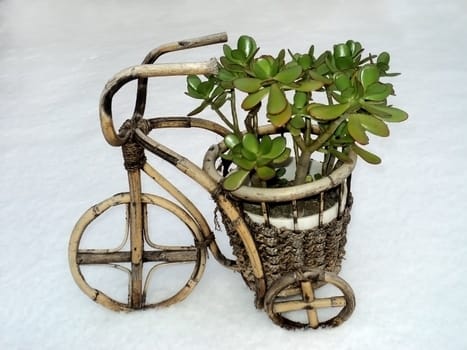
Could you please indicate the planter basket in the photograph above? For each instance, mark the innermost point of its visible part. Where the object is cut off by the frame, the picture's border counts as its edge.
(299, 243)
(283, 250)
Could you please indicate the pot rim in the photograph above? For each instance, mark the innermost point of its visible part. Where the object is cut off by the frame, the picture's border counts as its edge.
(283, 194)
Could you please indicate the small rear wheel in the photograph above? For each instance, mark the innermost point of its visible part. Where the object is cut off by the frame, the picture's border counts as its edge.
(279, 301)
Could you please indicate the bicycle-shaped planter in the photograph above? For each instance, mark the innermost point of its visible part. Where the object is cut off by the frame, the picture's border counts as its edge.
(293, 291)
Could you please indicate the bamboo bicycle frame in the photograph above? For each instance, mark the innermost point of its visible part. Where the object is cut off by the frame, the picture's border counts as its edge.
(136, 131)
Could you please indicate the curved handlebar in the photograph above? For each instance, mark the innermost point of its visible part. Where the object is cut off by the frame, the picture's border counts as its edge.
(152, 56)
(145, 71)
(142, 71)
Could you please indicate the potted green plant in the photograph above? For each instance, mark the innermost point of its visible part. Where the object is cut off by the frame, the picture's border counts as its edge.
(290, 177)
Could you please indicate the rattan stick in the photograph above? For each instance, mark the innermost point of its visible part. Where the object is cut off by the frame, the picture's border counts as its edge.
(136, 239)
(309, 296)
(152, 56)
(187, 122)
(142, 71)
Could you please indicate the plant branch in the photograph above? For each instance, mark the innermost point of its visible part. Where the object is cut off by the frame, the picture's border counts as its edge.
(233, 109)
(324, 136)
(223, 117)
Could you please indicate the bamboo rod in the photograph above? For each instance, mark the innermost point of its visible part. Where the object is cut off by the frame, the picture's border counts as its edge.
(88, 257)
(153, 55)
(308, 295)
(187, 122)
(136, 239)
(136, 72)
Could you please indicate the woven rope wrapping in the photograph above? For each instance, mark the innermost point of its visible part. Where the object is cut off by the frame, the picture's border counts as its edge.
(133, 155)
(283, 250)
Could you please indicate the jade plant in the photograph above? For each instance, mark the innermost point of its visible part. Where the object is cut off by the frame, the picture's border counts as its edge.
(327, 102)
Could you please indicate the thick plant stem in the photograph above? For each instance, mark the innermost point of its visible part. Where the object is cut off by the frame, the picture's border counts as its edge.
(303, 167)
(305, 157)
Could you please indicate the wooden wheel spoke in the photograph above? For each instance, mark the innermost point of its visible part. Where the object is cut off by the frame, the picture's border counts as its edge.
(172, 256)
(184, 254)
(293, 285)
(289, 306)
(329, 302)
(308, 295)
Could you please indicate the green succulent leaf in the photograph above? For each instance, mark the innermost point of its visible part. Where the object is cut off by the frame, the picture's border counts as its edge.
(227, 156)
(238, 56)
(368, 75)
(354, 46)
(227, 51)
(288, 75)
(365, 155)
(250, 142)
(343, 57)
(356, 130)
(205, 88)
(282, 118)
(219, 101)
(277, 148)
(235, 179)
(325, 112)
(265, 173)
(277, 102)
(340, 155)
(300, 99)
(349, 94)
(378, 91)
(280, 172)
(262, 67)
(193, 81)
(386, 113)
(247, 45)
(231, 140)
(248, 155)
(318, 77)
(265, 144)
(233, 67)
(305, 61)
(253, 99)
(309, 85)
(262, 161)
(297, 122)
(283, 157)
(194, 93)
(372, 124)
(249, 85)
(243, 162)
(199, 109)
(383, 61)
(342, 81)
(226, 75)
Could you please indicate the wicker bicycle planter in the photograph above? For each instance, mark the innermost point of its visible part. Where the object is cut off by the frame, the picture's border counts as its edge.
(314, 239)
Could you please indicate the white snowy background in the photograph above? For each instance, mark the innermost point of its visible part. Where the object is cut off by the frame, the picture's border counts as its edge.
(407, 251)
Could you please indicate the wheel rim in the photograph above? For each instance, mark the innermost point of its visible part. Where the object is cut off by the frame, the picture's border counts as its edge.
(277, 307)
(196, 254)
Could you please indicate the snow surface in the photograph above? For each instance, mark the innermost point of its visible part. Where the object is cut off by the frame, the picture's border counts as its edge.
(407, 251)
